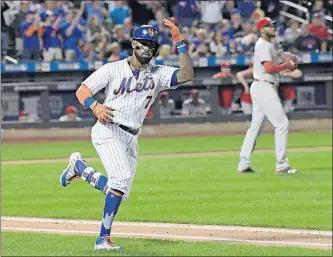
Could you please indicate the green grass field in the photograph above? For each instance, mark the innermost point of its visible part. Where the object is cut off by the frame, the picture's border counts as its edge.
(49, 245)
(201, 190)
(160, 146)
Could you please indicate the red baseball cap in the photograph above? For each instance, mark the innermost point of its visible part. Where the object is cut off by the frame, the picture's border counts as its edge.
(71, 109)
(194, 91)
(263, 22)
(225, 65)
(23, 113)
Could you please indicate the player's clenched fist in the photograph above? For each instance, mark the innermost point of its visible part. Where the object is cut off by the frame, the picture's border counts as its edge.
(103, 113)
(175, 33)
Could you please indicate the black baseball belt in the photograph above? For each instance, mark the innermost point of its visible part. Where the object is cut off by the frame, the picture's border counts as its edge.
(134, 132)
(270, 82)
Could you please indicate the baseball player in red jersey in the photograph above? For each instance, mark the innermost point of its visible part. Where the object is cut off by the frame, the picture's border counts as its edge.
(226, 93)
(266, 101)
(131, 86)
(246, 101)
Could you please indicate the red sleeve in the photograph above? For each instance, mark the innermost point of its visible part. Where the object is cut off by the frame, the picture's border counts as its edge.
(274, 68)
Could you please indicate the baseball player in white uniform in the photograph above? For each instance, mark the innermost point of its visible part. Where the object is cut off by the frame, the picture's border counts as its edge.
(131, 86)
(266, 101)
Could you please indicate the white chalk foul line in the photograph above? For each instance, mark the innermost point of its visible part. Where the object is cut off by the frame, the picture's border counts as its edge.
(169, 236)
(171, 225)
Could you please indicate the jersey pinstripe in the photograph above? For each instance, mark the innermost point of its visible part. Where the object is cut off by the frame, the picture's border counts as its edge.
(130, 97)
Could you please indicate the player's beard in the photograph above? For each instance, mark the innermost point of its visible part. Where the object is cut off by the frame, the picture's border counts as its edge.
(142, 59)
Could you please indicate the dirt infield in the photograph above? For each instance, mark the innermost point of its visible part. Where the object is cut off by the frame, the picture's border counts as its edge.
(183, 232)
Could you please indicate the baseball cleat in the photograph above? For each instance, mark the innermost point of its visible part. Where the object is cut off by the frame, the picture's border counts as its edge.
(286, 171)
(70, 173)
(105, 243)
(248, 170)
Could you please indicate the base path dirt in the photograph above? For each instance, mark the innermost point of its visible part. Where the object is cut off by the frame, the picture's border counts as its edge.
(183, 232)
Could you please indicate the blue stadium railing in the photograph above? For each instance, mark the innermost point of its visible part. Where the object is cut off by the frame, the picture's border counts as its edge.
(31, 66)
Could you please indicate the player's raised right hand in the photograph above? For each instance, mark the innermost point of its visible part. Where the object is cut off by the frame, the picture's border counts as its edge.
(103, 113)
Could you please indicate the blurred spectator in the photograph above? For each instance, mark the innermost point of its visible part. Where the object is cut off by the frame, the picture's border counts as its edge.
(119, 13)
(51, 37)
(158, 22)
(9, 18)
(165, 51)
(236, 21)
(31, 32)
(318, 27)
(194, 106)
(94, 29)
(100, 49)
(288, 92)
(247, 38)
(225, 26)
(318, 7)
(216, 45)
(119, 34)
(246, 8)
(64, 5)
(4, 27)
(227, 9)
(306, 41)
(201, 38)
(115, 52)
(167, 106)
(87, 54)
(320, 30)
(233, 48)
(95, 7)
(271, 8)
(71, 33)
(245, 101)
(202, 51)
(128, 26)
(257, 14)
(187, 12)
(71, 114)
(211, 13)
(142, 14)
(292, 32)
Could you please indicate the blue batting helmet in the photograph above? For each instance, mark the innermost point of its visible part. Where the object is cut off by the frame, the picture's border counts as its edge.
(147, 32)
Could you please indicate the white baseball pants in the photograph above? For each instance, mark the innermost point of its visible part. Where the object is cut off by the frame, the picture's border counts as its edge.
(118, 151)
(266, 104)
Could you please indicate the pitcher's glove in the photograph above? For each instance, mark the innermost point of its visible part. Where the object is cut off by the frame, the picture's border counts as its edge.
(288, 57)
(103, 113)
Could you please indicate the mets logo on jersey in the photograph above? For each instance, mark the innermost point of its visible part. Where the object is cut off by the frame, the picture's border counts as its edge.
(126, 86)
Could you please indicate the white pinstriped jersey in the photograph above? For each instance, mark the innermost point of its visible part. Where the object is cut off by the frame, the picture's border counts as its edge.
(130, 97)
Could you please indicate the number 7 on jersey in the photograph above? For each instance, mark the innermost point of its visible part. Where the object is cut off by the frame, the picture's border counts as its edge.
(149, 99)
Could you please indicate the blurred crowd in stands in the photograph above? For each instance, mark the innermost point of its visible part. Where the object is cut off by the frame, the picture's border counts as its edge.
(101, 30)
